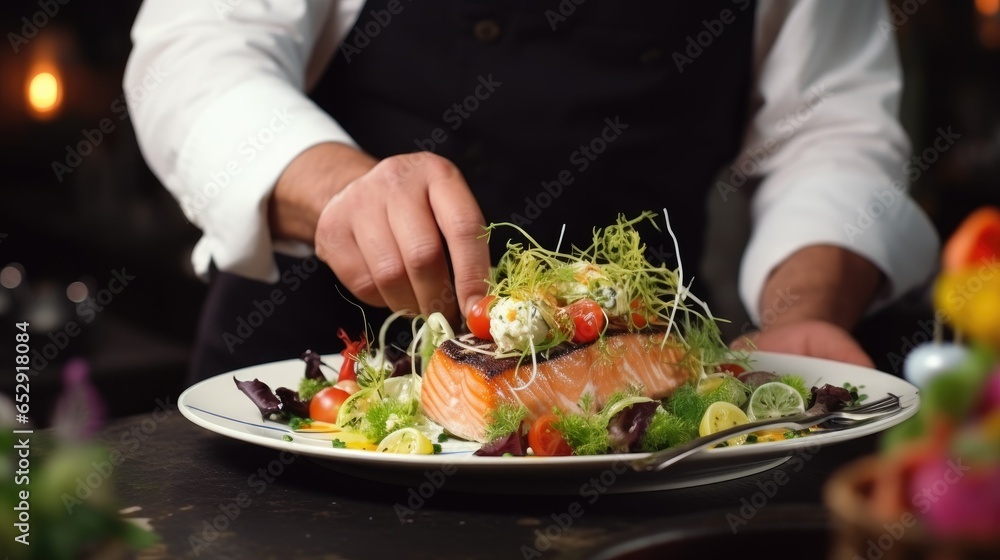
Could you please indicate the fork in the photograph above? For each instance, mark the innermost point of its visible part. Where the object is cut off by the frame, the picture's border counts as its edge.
(817, 414)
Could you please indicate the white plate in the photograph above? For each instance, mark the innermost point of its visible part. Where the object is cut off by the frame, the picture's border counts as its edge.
(217, 405)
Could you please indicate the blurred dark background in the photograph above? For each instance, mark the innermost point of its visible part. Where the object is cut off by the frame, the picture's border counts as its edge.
(80, 210)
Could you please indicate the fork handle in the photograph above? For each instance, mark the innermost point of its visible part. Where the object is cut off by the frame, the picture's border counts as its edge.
(663, 459)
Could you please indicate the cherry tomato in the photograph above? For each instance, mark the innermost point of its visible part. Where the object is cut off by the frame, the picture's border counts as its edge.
(588, 319)
(638, 314)
(325, 405)
(734, 369)
(545, 440)
(479, 318)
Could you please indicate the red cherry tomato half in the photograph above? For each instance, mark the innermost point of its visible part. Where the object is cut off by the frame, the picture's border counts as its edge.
(638, 314)
(588, 320)
(734, 369)
(545, 440)
(325, 405)
(479, 318)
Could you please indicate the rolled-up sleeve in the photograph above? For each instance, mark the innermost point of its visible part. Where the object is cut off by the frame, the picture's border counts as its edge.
(226, 113)
(826, 142)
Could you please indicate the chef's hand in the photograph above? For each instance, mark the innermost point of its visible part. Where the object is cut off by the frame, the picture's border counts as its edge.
(811, 300)
(807, 338)
(383, 226)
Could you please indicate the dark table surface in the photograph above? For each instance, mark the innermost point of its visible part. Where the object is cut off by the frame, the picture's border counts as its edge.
(204, 495)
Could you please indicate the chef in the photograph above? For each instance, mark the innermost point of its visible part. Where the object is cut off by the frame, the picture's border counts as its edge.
(334, 152)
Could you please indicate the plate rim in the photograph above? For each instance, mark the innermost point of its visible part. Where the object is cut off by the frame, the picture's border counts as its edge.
(318, 449)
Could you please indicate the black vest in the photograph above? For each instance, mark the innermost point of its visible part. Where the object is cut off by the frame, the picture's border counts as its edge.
(556, 113)
(624, 106)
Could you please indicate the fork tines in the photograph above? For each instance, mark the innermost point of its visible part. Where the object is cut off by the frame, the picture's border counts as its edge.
(886, 402)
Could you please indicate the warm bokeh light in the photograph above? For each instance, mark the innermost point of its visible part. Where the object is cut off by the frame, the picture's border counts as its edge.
(10, 277)
(988, 7)
(77, 292)
(43, 92)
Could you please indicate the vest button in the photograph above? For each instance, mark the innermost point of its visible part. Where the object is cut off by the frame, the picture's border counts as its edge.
(486, 31)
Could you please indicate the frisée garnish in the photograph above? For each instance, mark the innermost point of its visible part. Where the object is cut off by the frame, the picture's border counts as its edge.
(542, 298)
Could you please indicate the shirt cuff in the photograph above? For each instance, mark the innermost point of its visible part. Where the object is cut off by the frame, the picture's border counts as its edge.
(876, 220)
(229, 163)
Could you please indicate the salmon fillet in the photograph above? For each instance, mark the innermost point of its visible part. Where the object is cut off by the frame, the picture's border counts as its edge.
(461, 387)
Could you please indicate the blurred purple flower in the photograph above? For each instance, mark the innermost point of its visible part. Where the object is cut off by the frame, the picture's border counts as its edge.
(79, 412)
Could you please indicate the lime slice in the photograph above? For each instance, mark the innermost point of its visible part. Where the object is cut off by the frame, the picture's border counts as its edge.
(774, 400)
(407, 441)
(354, 408)
(723, 386)
(711, 383)
(404, 387)
(720, 416)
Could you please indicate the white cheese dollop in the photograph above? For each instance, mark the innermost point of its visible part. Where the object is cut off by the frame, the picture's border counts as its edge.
(516, 325)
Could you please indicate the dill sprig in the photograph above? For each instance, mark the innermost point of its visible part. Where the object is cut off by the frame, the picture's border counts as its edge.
(388, 415)
(667, 430)
(309, 387)
(586, 434)
(505, 419)
(687, 404)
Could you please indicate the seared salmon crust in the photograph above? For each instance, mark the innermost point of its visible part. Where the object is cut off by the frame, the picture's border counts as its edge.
(461, 387)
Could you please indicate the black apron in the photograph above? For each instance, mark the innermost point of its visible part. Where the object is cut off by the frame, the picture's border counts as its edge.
(555, 113)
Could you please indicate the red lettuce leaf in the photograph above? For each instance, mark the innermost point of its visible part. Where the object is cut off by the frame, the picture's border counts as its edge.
(291, 403)
(515, 443)
(831, 397)
(261, 396)
(313, 361)
(625, 429)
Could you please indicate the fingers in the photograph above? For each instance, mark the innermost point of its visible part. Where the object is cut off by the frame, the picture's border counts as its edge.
(384, 258)
(462, 223)
(415, 230)
(818, 339)
(337, 246)
(840, 348)
(382, 236)
(745, 341)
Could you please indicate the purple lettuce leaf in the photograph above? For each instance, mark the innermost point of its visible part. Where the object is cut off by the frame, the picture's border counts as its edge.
(830, 397)
(515, 443)
(261, 396)
(400, 360)
(291, 403)
(625, 429)
(313, 361)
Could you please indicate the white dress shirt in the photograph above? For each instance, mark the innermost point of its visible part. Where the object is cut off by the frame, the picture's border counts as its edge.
(230, 114)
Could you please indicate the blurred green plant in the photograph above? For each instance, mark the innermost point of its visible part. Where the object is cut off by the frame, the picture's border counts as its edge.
(63, 505)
